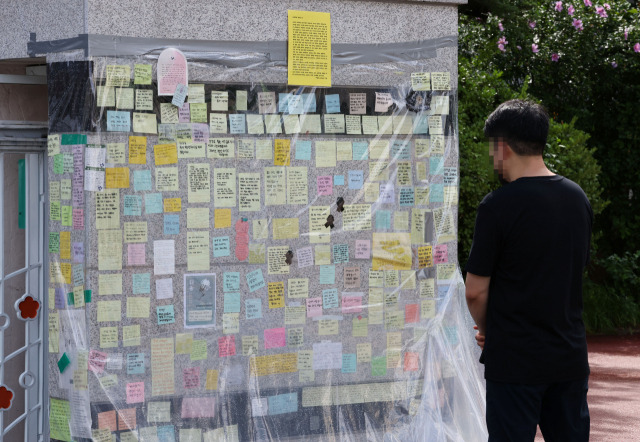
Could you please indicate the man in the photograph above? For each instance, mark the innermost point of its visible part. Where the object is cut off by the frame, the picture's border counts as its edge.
(524, 286)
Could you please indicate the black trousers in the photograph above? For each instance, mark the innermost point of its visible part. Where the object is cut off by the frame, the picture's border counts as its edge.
(515, 410)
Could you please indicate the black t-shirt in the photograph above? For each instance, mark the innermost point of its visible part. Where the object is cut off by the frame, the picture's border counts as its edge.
(532, 238)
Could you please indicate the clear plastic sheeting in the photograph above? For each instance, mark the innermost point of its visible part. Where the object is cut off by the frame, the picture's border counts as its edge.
(262, 262)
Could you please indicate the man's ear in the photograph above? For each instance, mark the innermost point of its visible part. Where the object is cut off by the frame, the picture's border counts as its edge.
(507, 151)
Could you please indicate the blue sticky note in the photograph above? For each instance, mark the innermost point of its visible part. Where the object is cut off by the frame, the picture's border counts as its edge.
(142, 180)
(451, 332)
(166, 433)
(231, 281)
(338, 180)
(401, 150)
(166, 315)
(255, 280)
(421, 124)
(253, 308)
(232, 302)
(360, 150)
(135, 363)
(171, 224)
(309, 103)
(383, 220)
(295, 104)
(407, 196)
(283, 403)
(221, 246)
(283, 103)
(356, 179)
(180, 95)
(436, 165)
(328, 274)
(330, 298)
(303, 150)
(153, 203)
(349, 363)
(436, 193)
(237, 124)
(443, 290)
(333, 103)
(132, 205)
(340, 253)
(141, 283)
(118, 121)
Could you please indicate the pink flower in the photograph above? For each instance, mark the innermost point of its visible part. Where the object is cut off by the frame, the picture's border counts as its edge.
(570, 9)
(532, 24)
(519, 47)
(587, 2)
(577, 23)
(534, 48)
(555, 57)
(626, 33)
(501, 47)
(636, 47)
(601, 12)
(606, 6)
(501, 42)
(614, 64)
(500, 26)
(558, 6)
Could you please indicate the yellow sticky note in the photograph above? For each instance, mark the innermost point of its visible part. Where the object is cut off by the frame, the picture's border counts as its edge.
(109, 311)
(309, 54)
(165, 154)
(138, 307)
(198, 350)
(184, 341)
(65, 245)
(222, 218)
(108, 337)
(172, 204)
(145, 123)
(326, 154)
(131, 335)
(276, 294)
(212, 380)
(116, 178)
(285, 228)
(391, 251)
(142, 74)
(137, 150)
(282, 155)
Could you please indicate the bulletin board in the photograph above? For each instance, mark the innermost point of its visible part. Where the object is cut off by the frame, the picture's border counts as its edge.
(260, 262)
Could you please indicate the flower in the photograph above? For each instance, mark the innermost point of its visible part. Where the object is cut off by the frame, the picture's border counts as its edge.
(501, 47)
(587, 2)
(577, 23)
(626, 33)
(519, 47)
(500, 26)
(607, 6)
(614, 64)
(28, 308)
(558, 6)
(601, 12)
(502, 41)
(532, 24)
(554, 57)
(570, 9)
(636, 47)
(534, 48)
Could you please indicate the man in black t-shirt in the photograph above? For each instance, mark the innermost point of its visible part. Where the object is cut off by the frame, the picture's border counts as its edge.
(524, 286)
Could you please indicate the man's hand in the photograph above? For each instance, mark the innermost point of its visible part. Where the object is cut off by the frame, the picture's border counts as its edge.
(479, 338)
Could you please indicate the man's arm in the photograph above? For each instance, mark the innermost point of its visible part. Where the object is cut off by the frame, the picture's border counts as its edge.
(477, 294)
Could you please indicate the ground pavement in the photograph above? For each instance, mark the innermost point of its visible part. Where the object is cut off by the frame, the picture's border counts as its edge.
(614, 389)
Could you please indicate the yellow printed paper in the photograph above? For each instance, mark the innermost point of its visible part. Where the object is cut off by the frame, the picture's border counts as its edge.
(309, 54)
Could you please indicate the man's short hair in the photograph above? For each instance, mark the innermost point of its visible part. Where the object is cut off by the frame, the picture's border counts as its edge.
(523, 124)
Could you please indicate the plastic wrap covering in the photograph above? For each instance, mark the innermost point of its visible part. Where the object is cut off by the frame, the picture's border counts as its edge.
(262, 262)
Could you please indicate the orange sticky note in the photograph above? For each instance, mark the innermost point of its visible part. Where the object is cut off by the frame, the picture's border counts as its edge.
(172, 204)
(411, 361)
(137, 150)
(411, 313)
(222, 218)
(165, 154)
(107, 419)
(127, 419)
(116, 178)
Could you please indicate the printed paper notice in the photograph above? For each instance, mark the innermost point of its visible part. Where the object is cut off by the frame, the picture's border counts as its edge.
(309, 48)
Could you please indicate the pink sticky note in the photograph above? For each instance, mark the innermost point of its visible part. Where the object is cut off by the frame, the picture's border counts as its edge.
(194, 407)
(226, 346)
(274, 338)
(242, 240)
(135, 392)
(78, 219)
(191, 377)
(440, 254)
(411, 313)
(136, 254)
(314, 307)
(325, 185)
(172, 71)
(97, 361)
(184, 113)
(363, 249)
(351, 303)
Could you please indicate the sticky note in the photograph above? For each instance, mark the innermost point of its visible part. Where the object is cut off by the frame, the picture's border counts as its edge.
(332, 103)
(165, 314)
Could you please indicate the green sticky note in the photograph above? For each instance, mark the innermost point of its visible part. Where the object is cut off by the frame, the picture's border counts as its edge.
(379, 366)
(64, 362)
(142, 74)
(58, 164)
(67, 216)
(54, 242)
(87, 296)
(59, 417)
(71, 139)
(70, 298)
